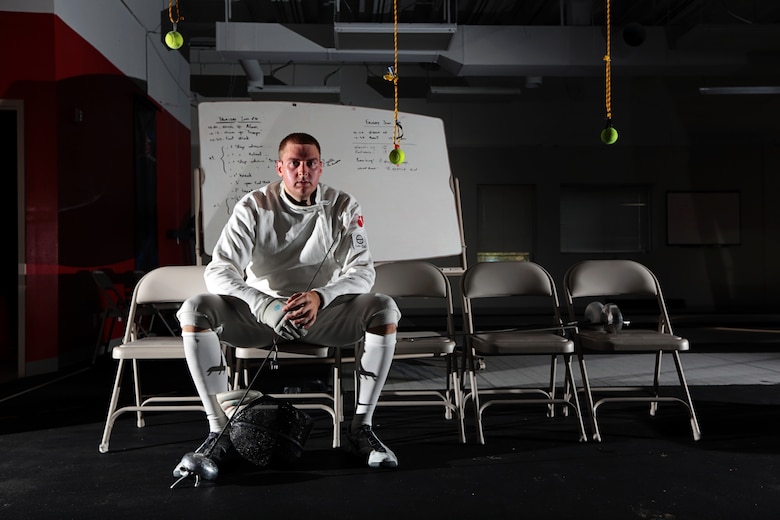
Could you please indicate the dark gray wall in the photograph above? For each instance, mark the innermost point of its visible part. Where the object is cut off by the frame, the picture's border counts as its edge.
(671, 138)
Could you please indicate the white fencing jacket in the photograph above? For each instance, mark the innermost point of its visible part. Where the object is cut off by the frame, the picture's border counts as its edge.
(271, 247)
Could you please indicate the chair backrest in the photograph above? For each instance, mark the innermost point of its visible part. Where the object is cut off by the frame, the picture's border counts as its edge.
(167, 284)
(415, 279)
(507, 279)
(610, 277)
(411, 279)
(603, 278)
(497, 279)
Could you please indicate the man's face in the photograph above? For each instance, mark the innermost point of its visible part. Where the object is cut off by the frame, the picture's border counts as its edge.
(300, 168)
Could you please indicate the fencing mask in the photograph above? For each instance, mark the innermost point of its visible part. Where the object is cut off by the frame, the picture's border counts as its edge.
(604, 316)
(269, 431)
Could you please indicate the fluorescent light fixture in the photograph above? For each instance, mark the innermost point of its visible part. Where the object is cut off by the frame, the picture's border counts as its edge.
(503, 256)
(472, 94)
(412, 37)
(313, 93)
(739, 90)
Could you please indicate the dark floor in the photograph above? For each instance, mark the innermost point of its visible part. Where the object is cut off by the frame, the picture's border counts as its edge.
(531, 466)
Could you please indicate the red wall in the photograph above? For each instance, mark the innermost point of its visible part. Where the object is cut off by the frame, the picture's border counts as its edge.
(80, 176)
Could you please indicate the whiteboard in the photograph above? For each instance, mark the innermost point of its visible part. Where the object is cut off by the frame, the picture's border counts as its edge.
(410, 209)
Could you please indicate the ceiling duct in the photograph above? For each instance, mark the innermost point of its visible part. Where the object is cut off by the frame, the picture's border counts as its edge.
(494, 51)
(376, 36)
(258, 90)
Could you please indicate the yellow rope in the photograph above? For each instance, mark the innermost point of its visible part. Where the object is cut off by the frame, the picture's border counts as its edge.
(395, 72)
(608, 60)
(179, 17)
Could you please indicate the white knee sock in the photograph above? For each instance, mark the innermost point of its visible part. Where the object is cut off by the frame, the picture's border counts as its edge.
(209, 373)
(374, 366)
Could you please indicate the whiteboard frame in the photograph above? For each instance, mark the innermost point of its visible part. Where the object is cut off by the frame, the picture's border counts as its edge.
(199, 181)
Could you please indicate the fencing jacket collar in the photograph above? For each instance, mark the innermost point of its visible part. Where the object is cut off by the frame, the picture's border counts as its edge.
(315, 198)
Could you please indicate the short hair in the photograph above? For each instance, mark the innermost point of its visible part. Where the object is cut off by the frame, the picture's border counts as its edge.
(299, 138)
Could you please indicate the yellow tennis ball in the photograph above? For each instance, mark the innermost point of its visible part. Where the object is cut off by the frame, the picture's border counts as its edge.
(609, 135)
(174, 39)
(397, 156)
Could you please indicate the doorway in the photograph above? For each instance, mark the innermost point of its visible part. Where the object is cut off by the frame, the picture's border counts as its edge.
(12, 279)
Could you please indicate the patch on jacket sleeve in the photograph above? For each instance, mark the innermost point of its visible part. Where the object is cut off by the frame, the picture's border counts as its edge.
(359, 241)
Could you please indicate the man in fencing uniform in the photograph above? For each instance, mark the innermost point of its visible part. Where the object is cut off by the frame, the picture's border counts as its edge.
(292, 263)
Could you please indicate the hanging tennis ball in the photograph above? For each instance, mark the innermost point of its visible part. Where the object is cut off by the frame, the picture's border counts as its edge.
(174, 39)
(609, 135)
(397, 155)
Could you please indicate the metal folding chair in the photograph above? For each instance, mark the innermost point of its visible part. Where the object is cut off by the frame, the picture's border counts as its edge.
(621, 279)
(512, 284)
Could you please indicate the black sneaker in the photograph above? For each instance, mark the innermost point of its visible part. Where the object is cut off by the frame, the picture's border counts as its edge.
(217, 449)
(365, 444)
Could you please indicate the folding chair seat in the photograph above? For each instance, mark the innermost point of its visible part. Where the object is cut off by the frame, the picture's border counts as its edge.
(166, 286)
(614, 281)
(418, 282)
(516, 287)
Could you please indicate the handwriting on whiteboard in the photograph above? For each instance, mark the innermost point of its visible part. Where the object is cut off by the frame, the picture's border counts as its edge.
(239, 152)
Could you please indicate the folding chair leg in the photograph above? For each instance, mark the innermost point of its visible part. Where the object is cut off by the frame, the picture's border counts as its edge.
(448, 393)
(338, 405)
(572, 393)
(589, 398)
(112, 406)
(656, 382)
(458, 401)
(475, 402)
(689, 402)
(137, 390)
(568, 384)
(553, 377)
(469, 373)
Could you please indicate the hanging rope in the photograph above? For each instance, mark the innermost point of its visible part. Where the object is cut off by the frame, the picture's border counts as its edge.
(179, 17)
(608, 67)
(396, 155)
(609, 135)
(395, 72)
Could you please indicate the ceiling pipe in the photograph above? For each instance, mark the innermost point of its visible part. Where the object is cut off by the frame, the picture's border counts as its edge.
(254, 74)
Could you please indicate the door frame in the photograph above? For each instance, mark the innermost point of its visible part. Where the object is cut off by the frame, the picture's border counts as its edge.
(18, 106)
